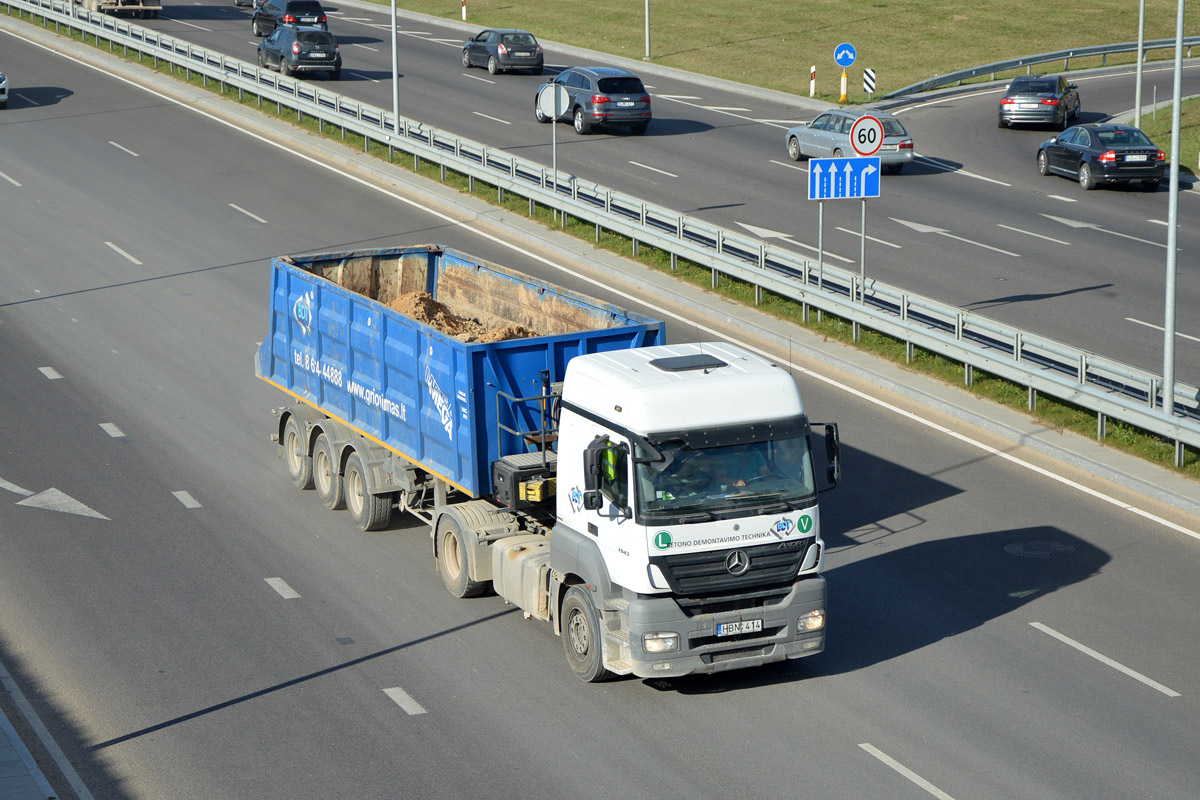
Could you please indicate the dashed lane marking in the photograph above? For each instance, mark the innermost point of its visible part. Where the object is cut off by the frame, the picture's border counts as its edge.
(405, 701)
(905, 771)
(187, 500)
(51, 373)
(112, 430)
(1103, 659)
(281, 586)
(121, 252)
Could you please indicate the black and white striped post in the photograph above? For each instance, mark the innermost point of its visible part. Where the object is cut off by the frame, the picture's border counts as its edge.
(869, 82)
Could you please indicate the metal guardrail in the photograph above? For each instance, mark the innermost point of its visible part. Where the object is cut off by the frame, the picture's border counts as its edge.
(1065, 56)
(1101, 385)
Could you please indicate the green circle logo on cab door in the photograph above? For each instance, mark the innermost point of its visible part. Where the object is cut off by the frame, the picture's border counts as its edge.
(805, 523)
(662, 540)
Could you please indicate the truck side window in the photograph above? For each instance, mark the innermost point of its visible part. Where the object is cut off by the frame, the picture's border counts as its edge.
(614, 474)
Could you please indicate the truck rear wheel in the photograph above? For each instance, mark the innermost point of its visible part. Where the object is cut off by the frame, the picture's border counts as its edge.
(295, 455)
(370, 512)
(326, 479)
(454, 560)
(581, 636)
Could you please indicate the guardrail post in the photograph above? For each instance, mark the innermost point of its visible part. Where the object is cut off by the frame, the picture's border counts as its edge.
(1101, 426)
(1153, 393)
(1032, 399)
(1179, 453)
(762, 264)
(969, 375)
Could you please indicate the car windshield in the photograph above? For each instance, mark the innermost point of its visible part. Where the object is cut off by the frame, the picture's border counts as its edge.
(1124, 137)
(621, 86)
(727, 479)
(518, 40)
(314, 37)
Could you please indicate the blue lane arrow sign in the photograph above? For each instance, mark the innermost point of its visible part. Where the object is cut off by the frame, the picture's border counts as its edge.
(843, 178)
(844, 54)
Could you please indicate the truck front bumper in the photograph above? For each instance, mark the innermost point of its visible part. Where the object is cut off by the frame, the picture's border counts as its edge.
(702, 648)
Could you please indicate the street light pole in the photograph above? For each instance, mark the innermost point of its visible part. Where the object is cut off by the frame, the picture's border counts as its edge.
(395, 76)
(647, 58)
(1168, 387)
(1137, 92)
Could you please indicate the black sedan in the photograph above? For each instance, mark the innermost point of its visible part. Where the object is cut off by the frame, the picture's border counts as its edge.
(1107, 153)
(503, 49)
(295, 49)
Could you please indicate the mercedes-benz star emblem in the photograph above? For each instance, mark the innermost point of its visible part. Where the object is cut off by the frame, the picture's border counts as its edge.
(737, 562)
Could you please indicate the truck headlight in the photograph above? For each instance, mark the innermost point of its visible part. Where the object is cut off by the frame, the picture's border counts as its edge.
(812, 621)
(660, 642)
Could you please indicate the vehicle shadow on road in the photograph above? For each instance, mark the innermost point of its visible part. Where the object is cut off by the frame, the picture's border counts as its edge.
(32, 96)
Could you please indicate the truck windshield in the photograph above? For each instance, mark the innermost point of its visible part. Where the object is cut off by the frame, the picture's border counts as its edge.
(728, 480)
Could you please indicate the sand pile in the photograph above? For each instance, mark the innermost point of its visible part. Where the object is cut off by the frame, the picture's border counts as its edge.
(423, 308)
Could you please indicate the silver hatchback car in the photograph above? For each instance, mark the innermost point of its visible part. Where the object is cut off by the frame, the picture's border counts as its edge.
(828, 136)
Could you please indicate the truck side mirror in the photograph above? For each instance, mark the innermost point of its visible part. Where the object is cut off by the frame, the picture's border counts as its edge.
(591, 467)
(593, 501)
(833, 453)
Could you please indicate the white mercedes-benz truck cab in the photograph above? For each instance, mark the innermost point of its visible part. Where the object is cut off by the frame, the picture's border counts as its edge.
(690, 522)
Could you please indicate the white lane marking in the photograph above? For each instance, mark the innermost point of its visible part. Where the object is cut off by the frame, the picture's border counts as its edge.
(937, 163)
(365, 47)
(281, 586)
(920, 227)
(477, 78)
(122, 252)
(767, 233)
(643, 301)
(247, 213)
(55, 500)
(1031, 233)
(1074, 223)
(905, 771)
(1103, 659)
(12, 487)
(725, 108)
(946, 100)
(678, 97)
(451, 42)
(43, 733)
(1064, 199)
(364, 77)
(493, 119)
(404, 700)
(122, 147)
(790, 166)
(112, 430)
(187, 500)
(51, 373)
(1162, 222)
(654, 169)
(1160, 329)
(683, 100)
(189, 24)
(871, 238)
(10, 180)
(29, 100)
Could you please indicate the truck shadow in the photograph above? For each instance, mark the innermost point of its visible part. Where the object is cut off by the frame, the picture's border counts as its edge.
(886, 604)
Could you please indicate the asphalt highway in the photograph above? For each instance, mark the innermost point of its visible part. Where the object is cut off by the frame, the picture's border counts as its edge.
(970, 223)
(190, 626)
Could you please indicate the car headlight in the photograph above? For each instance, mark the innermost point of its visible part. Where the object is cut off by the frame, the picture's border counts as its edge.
(812, 621)
(660, 642)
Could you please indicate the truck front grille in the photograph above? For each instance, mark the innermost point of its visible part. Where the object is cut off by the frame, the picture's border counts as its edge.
(708, 573)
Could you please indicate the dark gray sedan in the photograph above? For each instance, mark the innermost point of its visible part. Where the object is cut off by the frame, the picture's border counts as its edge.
(503, 49)
(1043, 99)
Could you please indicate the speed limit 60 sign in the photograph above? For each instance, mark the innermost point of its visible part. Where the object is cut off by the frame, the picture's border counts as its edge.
(866, 135)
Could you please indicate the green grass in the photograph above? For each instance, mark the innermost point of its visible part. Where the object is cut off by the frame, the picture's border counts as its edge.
(772, 43)
(1158, 128)
(1049, 411)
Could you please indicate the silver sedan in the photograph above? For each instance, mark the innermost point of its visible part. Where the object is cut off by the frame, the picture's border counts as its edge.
(828, 136)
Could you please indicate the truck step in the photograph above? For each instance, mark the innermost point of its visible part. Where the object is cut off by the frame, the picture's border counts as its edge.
(618, 604)
(619, 667)
(620, 637)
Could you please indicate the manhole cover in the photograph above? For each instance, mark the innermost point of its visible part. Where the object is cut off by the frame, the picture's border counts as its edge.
(1038, 549)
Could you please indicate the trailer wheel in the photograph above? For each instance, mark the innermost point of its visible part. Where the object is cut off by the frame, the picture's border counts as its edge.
(581, 636)
(326, 479)
(369, 511)
(454, 560)
(295, 455)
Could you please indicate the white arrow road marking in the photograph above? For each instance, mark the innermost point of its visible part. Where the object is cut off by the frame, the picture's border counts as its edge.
(187, 500)
(12, 487)
(1160, 328)
(1074, 223)
(922, 228)
(54, 500)
(281, 586)
(767, 233)
(1103, 659)
(404, 700)
(1031, 233)
(51, 373)
(905, 771)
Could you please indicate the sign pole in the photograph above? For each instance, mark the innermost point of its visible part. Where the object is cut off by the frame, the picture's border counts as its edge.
(862, 256)
(820, 250)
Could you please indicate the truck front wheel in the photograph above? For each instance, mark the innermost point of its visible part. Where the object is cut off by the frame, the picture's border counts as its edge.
(581, 636)
(325, 475)
(370, 512)
(454, 560)
(295, 455)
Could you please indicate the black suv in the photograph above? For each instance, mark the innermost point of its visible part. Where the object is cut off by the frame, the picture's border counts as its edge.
(602, 97)
(294, 49)
(270, 14)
